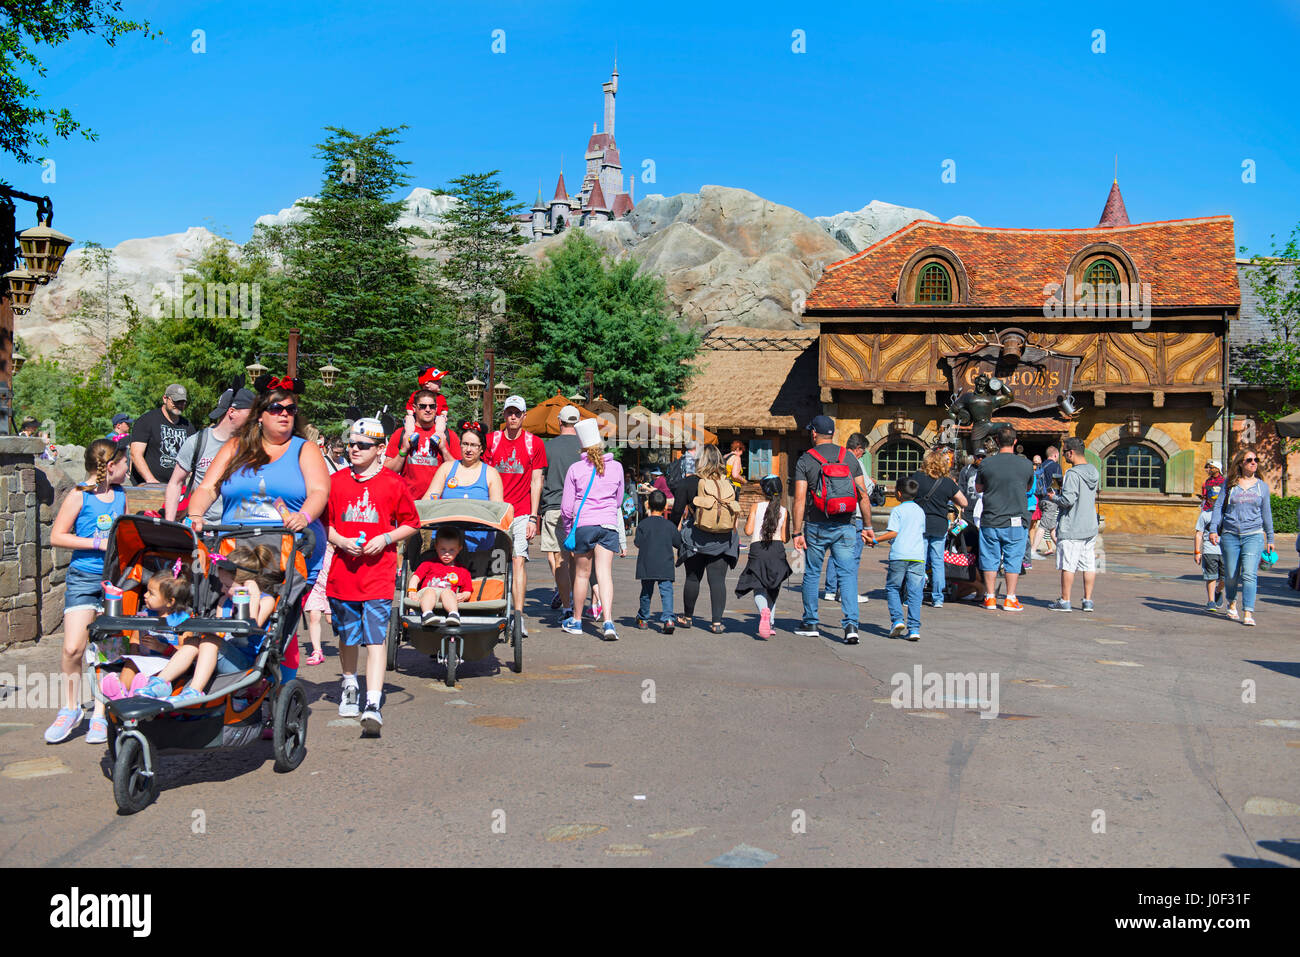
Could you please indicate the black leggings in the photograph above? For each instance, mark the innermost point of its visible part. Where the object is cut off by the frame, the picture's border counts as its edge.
(696, 568)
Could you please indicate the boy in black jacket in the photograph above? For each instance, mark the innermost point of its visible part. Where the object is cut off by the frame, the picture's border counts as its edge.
(656, 538)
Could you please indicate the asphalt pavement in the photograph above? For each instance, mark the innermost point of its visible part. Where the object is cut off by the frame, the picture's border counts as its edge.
(1148, 733)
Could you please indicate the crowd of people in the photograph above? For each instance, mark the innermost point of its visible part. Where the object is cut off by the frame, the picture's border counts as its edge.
(953, 534)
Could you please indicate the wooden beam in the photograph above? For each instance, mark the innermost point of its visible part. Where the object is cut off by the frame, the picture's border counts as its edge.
(931, 397)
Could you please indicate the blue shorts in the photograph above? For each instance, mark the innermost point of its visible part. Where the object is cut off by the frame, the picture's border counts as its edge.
(361, 622)
(84, 590)
(589, 536)
(1002, 547)
(233, 658)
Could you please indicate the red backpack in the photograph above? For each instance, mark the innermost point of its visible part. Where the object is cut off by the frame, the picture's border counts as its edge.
(833, 492)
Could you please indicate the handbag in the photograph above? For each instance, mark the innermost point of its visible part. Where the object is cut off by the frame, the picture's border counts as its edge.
(571, 540)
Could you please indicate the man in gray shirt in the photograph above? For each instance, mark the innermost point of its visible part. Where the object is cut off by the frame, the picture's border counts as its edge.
(1076, 529)
(198, 451)
(1004, 479)
(561, 453)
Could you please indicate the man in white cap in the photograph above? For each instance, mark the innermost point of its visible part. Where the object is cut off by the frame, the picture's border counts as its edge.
(520, 459)
(198, 451)
(561, 452)
(157, 436)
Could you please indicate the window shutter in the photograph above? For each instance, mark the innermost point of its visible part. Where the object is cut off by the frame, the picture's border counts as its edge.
(1095, 461)
(1180, 473)
(760, 458)
(866, 465)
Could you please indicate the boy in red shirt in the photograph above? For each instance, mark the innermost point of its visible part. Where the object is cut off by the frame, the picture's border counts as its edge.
(370, 510)
(520, 459)
(442, 581)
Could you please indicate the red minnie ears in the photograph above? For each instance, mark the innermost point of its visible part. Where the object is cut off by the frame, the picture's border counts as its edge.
(268, 383)
(431, 374)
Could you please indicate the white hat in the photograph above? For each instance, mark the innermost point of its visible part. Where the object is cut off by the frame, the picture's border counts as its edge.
(1215, 464)
(515, 402)
(569, 415)
(588, 432)
(370, 428)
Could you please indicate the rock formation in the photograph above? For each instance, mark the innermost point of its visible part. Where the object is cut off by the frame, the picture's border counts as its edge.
(875, 221)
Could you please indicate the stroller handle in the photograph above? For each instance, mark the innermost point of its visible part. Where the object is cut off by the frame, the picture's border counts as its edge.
(304, 541)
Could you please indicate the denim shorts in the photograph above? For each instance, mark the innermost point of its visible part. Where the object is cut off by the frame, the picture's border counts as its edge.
(84, 590)
(232, 658)
(361, 622)
(589, 536)
(1002, 547)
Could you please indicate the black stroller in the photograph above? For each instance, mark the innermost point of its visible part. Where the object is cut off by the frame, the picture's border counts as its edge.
(229, 714)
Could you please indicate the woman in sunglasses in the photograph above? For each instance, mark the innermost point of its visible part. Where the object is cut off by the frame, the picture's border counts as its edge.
(1241, 526)
(270, 474)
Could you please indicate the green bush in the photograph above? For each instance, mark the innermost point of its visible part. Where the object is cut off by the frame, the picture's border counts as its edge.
(1284, 513)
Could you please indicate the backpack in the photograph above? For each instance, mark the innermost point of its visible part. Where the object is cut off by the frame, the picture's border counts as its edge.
(676, 472)
(715, 511)
(495, 438)
(834, 492)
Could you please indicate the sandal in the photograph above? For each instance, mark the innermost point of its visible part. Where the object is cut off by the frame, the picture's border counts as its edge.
(717, 628)
(315, 658)
(1232, 612)
(1249, 619)
(683, 621)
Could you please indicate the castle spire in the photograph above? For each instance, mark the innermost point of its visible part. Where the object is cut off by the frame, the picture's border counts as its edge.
(610, 87)
(1114, 213)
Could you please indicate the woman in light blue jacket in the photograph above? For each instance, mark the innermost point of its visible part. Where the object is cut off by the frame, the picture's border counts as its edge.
(1242, 525)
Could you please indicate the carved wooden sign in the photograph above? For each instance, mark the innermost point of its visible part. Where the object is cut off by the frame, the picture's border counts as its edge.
(1037, 379)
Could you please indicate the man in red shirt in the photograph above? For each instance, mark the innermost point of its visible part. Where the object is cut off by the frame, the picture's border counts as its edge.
(520, 459)
(370, 510)
(418, 462)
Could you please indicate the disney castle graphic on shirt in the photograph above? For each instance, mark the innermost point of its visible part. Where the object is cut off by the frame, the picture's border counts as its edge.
(260, 507)
(362, 510)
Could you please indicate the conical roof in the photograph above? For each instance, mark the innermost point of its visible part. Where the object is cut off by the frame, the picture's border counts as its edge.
(1114, 214)
(596, 200)
(561, 193)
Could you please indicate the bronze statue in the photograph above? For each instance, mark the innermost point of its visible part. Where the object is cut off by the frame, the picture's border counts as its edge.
(976, 408)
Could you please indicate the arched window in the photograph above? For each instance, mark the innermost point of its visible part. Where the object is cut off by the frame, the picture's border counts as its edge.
(933, 284)
(897, 459)
(1102, 274)
(1134, 468)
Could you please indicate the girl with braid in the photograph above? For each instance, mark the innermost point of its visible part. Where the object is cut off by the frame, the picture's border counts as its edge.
(767, 568)
(82, 525)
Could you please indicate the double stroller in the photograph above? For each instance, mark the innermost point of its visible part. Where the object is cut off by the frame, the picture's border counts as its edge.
(230, 713)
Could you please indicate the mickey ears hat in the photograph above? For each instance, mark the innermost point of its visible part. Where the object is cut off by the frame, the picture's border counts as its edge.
(268, 383)
(431, 374)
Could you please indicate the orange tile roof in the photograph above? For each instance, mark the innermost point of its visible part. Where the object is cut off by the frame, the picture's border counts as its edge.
(1188, 262)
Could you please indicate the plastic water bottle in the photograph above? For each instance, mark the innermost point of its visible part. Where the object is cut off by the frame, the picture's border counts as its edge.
(361, 540)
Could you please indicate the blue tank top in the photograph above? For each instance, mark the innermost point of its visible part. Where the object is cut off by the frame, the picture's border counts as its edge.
(475, 539)
(249, 497)
(95, 516)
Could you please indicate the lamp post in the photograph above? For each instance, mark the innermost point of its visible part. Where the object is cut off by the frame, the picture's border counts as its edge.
(43, 248)
(329, 372)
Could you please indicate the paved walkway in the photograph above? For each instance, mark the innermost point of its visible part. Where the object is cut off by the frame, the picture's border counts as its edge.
(1175, 731)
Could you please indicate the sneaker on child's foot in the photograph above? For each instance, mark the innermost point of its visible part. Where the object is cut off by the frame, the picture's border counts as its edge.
(765, 623)
(371, 720)
(427, 618)
(669, 624)
(65, 722)
(98, 731)
(452, 622)
(350, 702)
(156, 687)
(1210, 606)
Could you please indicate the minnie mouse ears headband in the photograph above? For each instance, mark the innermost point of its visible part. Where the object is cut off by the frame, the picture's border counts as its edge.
(268, 383)
(431, 374)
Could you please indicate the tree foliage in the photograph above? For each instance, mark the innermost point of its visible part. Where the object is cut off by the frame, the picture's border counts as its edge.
(580, 309)
(1275, 362)
(27, 25)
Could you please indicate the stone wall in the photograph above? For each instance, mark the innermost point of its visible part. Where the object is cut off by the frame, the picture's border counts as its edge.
(21, 594)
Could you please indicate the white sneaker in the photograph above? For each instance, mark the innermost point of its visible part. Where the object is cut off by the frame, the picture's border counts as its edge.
(349, 703)
(830, 596)
(371, 720)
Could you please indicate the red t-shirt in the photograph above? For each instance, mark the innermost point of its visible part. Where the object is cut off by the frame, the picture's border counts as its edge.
(438, 575)
(421, 462)
(515, 466)
(378, 505)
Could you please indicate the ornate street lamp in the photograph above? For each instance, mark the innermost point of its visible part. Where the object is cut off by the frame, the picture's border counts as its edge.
(255, 369)
(900, 422)
(329, 374)
(577, 398)
(44, 249)
(501, 392)
(22, 286)
(475, 389)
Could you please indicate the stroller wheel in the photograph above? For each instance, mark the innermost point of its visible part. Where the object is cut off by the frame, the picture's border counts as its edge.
(133, 787)
(289, 726)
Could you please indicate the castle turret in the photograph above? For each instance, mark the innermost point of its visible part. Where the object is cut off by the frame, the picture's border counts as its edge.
(560, 207)
(597, 209)
(539, 214)
(610, 88)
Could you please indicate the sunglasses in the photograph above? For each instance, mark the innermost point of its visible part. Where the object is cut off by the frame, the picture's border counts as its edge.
(1250, 460)
(426, 405)
(280, 408)
(363, 446)
(179, 403)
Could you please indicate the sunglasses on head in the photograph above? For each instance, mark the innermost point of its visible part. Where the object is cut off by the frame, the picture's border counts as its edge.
(282, 408)
(364, 446)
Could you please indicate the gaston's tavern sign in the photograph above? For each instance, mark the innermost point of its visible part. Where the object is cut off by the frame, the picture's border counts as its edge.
(1037, 379)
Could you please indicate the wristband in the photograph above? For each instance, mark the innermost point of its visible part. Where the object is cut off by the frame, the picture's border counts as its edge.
(388, 538)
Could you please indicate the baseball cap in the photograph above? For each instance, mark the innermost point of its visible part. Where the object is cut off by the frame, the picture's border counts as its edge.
(822, 425)
(515, 402)
(176, 392)
(231, 399)
(120, 418)
(981, 452)
(569, 415)
(1215, 464)
(370, 428)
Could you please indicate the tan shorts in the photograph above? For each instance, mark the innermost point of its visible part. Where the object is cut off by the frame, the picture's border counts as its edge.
(436, 592)
(549, 535)
(519, 531)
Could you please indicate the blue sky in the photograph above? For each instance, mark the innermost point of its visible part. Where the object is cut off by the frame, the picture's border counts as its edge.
(712, 93)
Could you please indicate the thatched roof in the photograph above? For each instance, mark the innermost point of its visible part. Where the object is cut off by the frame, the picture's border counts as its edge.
(755, 379)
